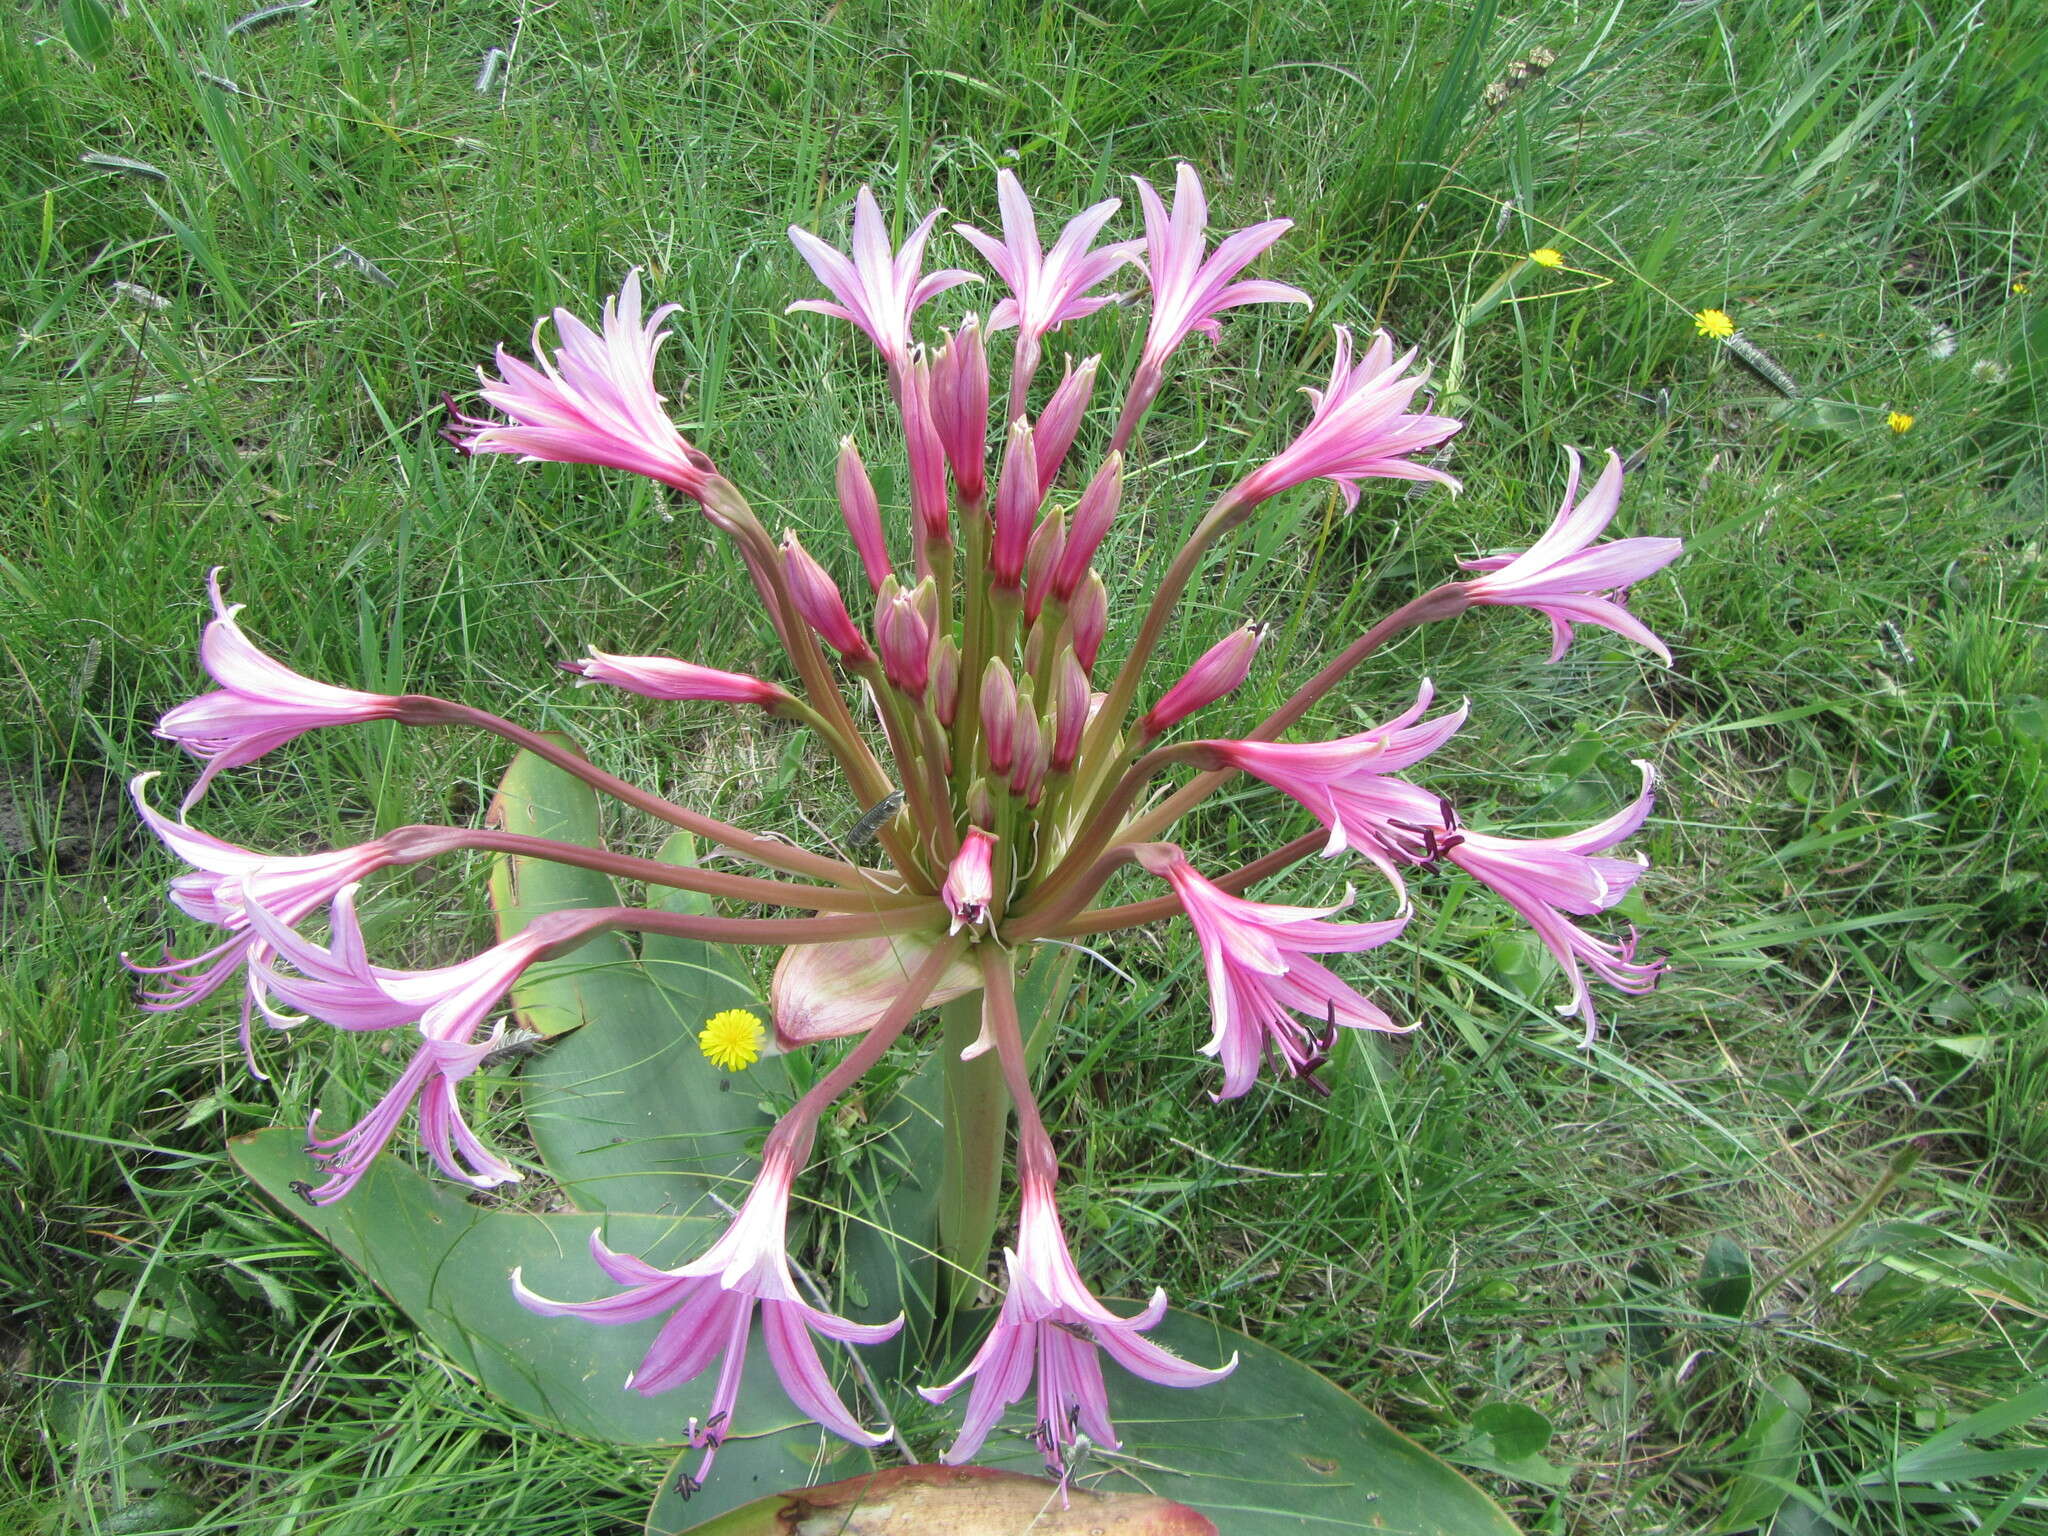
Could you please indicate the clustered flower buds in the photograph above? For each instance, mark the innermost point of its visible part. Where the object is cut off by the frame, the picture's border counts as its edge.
(1005, 766)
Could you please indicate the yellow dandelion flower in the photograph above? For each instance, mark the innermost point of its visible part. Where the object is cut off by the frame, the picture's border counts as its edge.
(1714, 323)
(1545, 256)
(1900, 422)
(2019, 285)
(732, 1039)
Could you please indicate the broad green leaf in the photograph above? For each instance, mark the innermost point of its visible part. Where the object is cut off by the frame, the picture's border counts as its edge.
(540, 800)
(951, 1501)
(1509, 1438)
(1770, 1450)
(1515, 1429)
(447, 1265)
(1274, 1447)
(88, 28)
(626, 1111)
(1726, 1279)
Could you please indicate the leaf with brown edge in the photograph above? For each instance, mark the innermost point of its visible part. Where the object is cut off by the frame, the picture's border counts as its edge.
(958, 1501)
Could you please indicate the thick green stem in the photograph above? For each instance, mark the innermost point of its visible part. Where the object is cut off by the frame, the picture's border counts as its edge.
(977, 1111)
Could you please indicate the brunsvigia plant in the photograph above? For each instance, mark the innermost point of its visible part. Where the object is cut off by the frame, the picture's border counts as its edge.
(1010, 768)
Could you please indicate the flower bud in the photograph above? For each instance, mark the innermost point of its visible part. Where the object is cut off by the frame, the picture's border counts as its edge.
(1061, 419)
(1069, 710)
(969, 888)
(959, 407)
(1096, 510)
(817, 600)
(1035, 641)
(998, 715)
(863, 514)
(1027, 771)
(663, 677)
(1017, 501)
(1088, 618)
(981, 801)
(927, 455)
(1039, 561)
(903, 637)
(944, 694)
(1215, 673)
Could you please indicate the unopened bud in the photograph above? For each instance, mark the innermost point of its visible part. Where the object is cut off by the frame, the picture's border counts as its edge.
(663, 677)
(1035, 641)
(944, 694)
(927, 456)
(1088, 619)
(1093, 515)
(863, 514)
(817, 599)
(981, 801)
(1027, 771)
(903, 638)
(1215, 673)
(1017, 502)
(1061, 419)
(998, 714)
(1043, 555)
(959, 407)
(1069, 710)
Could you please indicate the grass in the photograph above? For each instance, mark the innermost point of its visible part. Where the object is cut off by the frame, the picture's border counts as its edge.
(1847, 872)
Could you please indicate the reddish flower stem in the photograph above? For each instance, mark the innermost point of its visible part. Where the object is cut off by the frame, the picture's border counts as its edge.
(792, 1134)
(1067, 924)
(424, 709)
(1438, 603)
(419, 843)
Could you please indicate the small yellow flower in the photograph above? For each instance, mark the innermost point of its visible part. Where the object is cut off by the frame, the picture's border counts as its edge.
(1714, 323)
(2019, 285)
(1544, 256)
(1900, 422)
(732, 1039)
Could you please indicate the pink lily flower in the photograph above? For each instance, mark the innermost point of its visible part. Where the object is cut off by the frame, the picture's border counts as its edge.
(1052, 1326)
(711, 1302)
(663, 677)
(876, 290)
(1261, 976)
(1546, 878)
(1047, 288)
(338, 984)
(1361, 428)
(594, 404)
(970, 889)
(225, 879)
(260, 704)
(1189, 292)
(1343, 783)
(1570, 579)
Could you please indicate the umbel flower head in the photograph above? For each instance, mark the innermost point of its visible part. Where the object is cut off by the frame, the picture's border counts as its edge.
(1000, 729)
